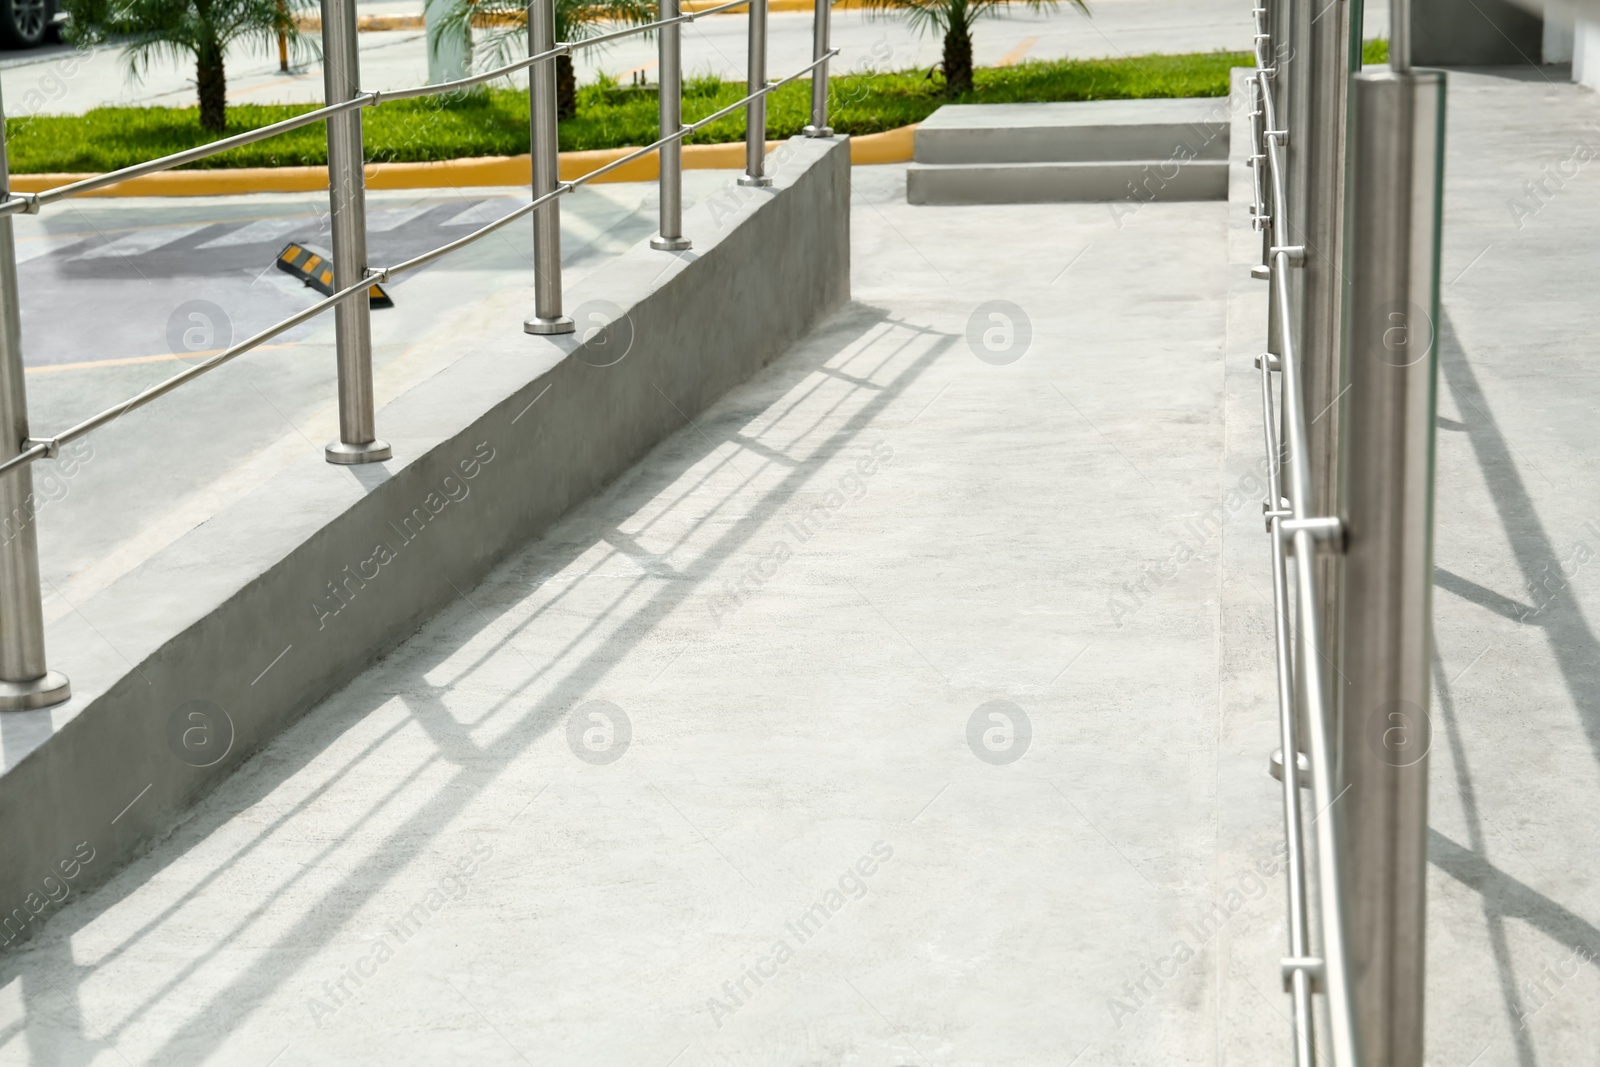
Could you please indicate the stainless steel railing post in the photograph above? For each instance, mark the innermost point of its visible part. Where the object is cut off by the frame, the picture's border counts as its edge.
(1386, 499)
(543, 127)
(755, 112)
(670, 110)
(352, 319)
(25, 681)
(1321, 277)
(819, 77)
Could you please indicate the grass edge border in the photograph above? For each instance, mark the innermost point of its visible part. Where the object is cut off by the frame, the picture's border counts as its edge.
(889, 146)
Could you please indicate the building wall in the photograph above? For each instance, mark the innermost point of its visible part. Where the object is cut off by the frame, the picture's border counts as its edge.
(1586, 52)
(1474, 33)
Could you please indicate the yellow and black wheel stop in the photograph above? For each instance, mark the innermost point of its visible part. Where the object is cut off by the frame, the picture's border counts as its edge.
(314, 268)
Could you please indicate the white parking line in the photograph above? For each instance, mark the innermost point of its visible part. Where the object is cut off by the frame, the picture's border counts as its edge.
(141, 241)
(482, 213)
(33, 248)
(263, 231)
(392, 218)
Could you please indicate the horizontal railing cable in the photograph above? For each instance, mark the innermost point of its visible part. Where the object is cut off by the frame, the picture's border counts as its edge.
(701, 123)
(29, 203)
(38, 448)
(1302, 687)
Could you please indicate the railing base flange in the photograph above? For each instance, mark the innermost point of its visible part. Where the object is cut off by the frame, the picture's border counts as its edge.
(348, 455)
(759, 183)
(544, 327)
(51, 688)
(669, 244)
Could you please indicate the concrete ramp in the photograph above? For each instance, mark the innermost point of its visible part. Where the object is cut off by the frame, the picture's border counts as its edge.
(190, 663)
(816, 738)
(1139, 150)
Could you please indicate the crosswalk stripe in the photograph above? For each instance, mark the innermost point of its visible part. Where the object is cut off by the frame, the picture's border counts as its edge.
(34, 247)
(481, 213)
(141, 241)
(392, 218)
(264, 231)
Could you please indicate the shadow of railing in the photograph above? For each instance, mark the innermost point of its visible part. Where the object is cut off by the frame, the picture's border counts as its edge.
(1576, 652)
(839, 382)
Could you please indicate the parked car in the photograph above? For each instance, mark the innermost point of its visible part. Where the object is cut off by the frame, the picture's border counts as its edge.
(25, 23)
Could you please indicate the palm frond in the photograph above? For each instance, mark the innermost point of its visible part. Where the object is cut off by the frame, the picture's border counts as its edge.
(155, 30)
(505, 21)
(924, 16)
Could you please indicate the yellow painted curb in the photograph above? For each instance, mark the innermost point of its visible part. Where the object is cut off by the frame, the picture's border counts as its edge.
(376, 23)
(891, 146)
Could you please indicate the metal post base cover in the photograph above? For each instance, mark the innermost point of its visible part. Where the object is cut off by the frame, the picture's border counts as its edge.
(41, 692)
(759, 182)
(671, 244)
(1302, 767)
(543, 327)
(812, 131)
(349, 455)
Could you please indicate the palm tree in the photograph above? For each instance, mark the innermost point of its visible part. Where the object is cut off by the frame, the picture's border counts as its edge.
(954, 19)
(507, 39)
(182, 29)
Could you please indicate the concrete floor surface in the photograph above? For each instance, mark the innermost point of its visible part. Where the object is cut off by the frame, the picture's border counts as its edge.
(1514, 929)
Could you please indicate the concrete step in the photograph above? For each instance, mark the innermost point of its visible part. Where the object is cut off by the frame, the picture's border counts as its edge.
(1081, 132)
(1038, 183)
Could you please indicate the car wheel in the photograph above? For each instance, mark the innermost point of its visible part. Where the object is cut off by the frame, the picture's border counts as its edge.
(24, 23)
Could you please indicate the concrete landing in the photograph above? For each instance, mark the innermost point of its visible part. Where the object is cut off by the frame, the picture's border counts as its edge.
(1102, 150)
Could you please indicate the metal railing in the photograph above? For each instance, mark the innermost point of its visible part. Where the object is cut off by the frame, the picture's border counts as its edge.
(26, 682)
(1302, 688)
(1350, 505)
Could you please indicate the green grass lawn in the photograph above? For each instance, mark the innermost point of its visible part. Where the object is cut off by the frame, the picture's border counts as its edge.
(609, 115)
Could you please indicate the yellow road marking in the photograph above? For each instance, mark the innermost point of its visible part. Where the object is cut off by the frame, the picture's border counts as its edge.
(128, 361)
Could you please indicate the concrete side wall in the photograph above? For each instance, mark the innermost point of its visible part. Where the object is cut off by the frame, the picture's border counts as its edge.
(1558, 31)
(1586, 52)
(1134, 183)
(1076, 144)
(1474, 33)
(242, 626)
(1079, 132)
